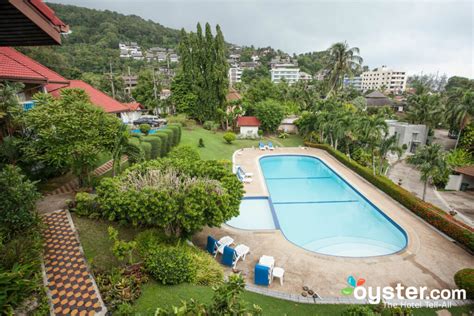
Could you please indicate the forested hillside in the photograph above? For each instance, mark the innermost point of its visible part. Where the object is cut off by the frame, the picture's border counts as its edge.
(93, 42)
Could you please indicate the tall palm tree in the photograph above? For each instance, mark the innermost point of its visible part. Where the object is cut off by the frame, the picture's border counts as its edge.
(343, 60)
(430, 160)
(425, 109)
(461, 111)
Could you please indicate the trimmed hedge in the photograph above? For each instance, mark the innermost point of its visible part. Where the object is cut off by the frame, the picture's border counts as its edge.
(171, 137)
(155, 142)
(165, 142)
(430, 213)
(177, 132)
(146, 149)
(464, 279)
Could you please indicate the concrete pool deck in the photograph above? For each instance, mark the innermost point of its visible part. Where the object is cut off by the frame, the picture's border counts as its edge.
(430, 259)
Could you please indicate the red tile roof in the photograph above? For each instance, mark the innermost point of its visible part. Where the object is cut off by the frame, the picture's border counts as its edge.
(48, 13)
(106, 102)
(32, 65)
(11, 69)
(134, 106)
(233, 95)
(467, 170)
(248, 121)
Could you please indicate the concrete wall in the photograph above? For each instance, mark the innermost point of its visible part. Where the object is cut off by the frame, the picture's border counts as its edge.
(409, 134)
(249, 130)
(454, 182)
(288, 128)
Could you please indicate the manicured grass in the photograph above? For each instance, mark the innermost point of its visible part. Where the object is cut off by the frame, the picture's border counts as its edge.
(96, 245)
(217, 148)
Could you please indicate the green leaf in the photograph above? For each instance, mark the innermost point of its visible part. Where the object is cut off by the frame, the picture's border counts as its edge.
(347, 290)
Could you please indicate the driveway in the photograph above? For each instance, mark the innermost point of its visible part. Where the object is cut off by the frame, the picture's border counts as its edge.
(441, 137)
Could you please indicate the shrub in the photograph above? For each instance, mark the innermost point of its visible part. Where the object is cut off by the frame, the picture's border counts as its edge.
(144, 128)
(135, 142)
(184, 152)
(169, 264)
(176, 134)
(16, 285)
(121, 249)
(178, 128)
(165, 143)
(270, 113)
(18, 197)
(431, 214)
(201, 143)
(283, 135)
(208, 270)
(86, 205)
(208, 125)
(177, 119)
(358, 311)
(171, 138)
(146, 149)
(464, 279)
(155, 142)
(120, 287)
(229, 137)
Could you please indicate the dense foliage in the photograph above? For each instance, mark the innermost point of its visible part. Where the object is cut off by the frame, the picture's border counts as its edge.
(69, 132)
(226, 301)
(270, 113)
(176, 194)
(430, 213)
(93, 43)
(464, 279)
(201, 85)
(18, 197)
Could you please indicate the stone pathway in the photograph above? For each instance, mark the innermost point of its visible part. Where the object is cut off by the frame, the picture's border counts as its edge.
(70, 285)
(74, 184)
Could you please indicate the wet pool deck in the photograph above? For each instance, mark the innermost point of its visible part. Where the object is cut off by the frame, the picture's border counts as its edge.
(430, 259)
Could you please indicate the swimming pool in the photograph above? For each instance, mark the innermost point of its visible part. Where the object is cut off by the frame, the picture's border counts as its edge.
(319, 211)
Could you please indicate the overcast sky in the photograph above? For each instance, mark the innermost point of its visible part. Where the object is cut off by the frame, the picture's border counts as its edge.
(414, 36)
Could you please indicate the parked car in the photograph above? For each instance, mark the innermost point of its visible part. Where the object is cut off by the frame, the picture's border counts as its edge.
(153, 120)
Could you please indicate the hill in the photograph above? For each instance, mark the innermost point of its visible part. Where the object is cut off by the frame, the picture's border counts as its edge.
(93, 43)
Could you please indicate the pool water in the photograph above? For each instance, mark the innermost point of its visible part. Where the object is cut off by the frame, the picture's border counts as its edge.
(317, 210)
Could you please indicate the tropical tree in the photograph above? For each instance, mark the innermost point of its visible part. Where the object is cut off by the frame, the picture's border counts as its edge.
(270, 113)
(430, 160)
(425, 109)
(386, 146)
(122, 147)
(201, 83)
(148, 88)
(69, 132)
(343, 60)
(461, 110)
(10, 108)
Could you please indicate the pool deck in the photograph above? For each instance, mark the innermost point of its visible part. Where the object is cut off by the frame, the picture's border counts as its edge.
(430, 259)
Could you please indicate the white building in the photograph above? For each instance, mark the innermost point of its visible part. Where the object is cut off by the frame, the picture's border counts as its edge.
(130, 50)
(393, 80)
(289, 72)
(354, 82)
(235, 75)
(248, 126)
(411, 135)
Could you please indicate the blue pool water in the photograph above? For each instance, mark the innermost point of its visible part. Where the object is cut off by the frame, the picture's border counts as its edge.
(319, 211)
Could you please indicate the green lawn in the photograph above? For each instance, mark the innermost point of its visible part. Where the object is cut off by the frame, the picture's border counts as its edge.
(94, 239)
(217, 148)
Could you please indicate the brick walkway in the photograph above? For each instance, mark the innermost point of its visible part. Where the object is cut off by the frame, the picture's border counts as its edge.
(74, 184)
(71, 287)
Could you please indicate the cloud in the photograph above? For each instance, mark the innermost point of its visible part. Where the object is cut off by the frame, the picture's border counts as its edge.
(426, 36)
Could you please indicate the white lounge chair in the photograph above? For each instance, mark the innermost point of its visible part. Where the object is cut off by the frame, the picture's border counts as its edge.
(240, 252)
(224, 241)
(245, 174)
(243, 178)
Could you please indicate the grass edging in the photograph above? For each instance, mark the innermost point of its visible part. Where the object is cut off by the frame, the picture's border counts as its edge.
(444, 222)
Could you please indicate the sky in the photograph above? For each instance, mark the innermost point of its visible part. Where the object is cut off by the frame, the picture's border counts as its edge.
(414, 36)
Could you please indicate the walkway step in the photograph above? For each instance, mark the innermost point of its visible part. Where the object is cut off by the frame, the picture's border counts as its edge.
(71, 287)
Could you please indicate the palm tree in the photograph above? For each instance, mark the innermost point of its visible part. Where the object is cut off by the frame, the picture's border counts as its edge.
(342, 61)
(430, 160)
(122, 147)
(461, 112)
(425, 109)
(386, 145)
(370, 130)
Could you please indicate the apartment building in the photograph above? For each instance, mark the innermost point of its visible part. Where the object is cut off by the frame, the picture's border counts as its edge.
(393, 80)
(235, 75)
(354, 82)
(289, 72)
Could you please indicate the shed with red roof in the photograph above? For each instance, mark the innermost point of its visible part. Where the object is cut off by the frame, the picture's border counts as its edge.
(248, 126)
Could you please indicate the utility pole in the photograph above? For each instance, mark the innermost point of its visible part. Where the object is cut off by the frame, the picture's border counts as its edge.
(129, 82)
(112, 81)
(154, 90)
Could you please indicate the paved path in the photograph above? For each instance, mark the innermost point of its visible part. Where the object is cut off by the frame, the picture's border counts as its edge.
(70, 285)
(412, 183)
(74, 184)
